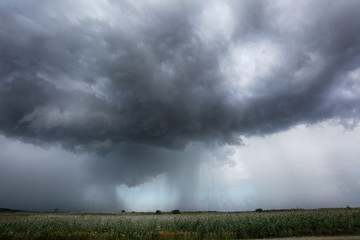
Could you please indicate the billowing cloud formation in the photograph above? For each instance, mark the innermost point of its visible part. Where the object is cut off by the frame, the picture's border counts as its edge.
(134, 83)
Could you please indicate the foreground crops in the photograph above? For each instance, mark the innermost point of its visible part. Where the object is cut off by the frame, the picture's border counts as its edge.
(190, 226)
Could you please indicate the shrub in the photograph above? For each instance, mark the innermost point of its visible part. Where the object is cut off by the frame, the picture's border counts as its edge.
(158, 212)
(259, 210)
(122, 211)
(175, 211)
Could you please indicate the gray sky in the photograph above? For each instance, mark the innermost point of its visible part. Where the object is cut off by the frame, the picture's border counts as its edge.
(213, 105)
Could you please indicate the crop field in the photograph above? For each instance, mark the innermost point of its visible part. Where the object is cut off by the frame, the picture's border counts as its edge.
(201, 225)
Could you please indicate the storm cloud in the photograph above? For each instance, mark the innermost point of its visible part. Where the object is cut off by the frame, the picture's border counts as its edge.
(134, 84)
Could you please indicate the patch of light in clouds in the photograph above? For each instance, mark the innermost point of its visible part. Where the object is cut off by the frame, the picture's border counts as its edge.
(249, 64)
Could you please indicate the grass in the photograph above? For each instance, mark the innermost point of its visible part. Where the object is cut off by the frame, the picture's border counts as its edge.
(199, 225)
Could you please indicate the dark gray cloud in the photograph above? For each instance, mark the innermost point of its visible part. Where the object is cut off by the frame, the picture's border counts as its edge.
(135, 83)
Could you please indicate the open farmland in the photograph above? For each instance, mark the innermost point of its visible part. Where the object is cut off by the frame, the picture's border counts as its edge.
(208, 225)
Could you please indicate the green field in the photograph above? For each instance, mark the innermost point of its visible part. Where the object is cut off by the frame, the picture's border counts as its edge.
(192, 225)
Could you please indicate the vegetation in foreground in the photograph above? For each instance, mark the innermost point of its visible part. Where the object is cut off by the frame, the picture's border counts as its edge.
(206, 225)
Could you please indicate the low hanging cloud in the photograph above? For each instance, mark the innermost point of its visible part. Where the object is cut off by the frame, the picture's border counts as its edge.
(134, 83)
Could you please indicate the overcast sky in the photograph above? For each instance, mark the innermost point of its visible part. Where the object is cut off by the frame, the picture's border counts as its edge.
(196, 105)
